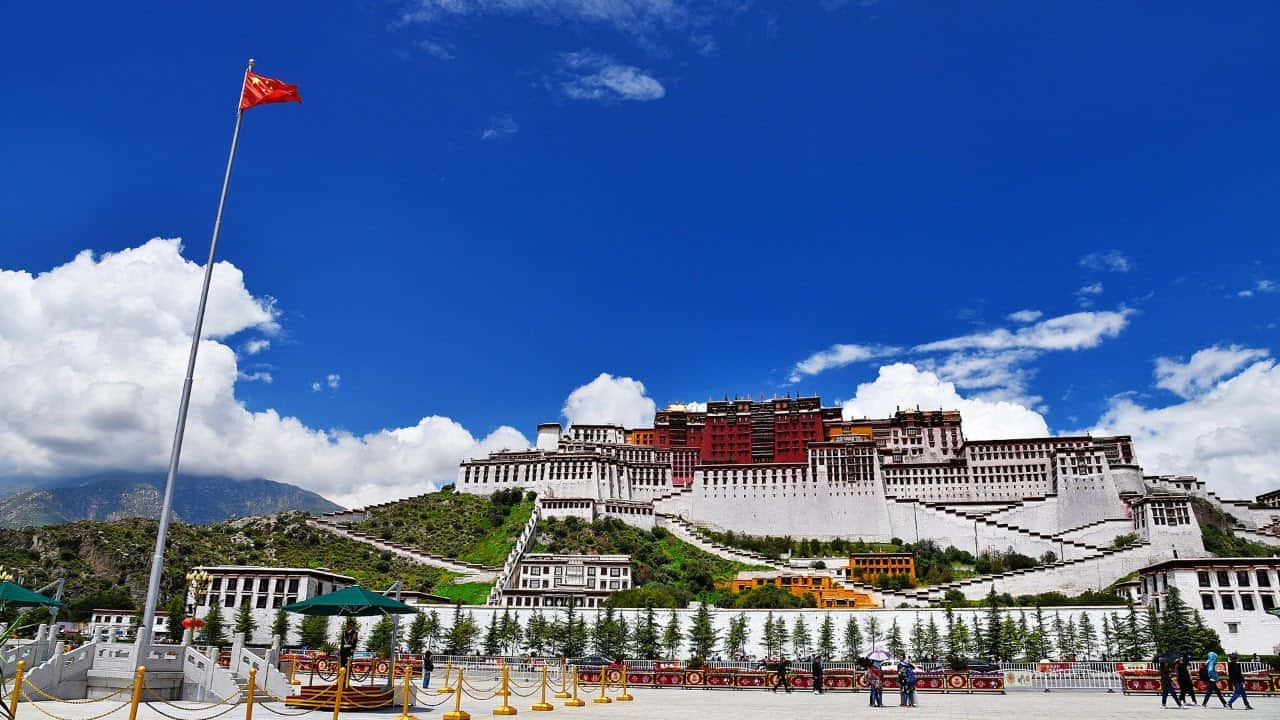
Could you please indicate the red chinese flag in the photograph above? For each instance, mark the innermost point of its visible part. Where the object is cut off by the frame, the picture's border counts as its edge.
(260, 90)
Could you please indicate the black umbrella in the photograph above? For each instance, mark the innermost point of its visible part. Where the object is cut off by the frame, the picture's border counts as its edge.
(1167, 657)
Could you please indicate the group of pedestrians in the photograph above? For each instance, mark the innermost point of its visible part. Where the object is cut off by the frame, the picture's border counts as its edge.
(906, 683)
(1180, 668)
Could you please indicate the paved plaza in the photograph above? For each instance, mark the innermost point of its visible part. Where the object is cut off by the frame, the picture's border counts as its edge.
(713, 705)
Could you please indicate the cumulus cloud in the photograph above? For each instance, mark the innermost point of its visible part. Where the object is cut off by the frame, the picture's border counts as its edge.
(1086, 294)
(1076, 331)
(1227, 435)
(500, 126)
(610, 400)
(636, 18)
(1025, 316)
(903, 385)
(92, 356)
(253, 347)
(1261, 286)
(437, 50)
(837, 356)
(594, 76)
(1106, 261)
(1205, 368)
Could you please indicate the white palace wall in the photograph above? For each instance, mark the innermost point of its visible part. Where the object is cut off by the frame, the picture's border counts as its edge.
(811, 508)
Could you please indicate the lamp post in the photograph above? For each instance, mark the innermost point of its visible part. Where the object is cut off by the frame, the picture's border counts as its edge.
(197, 581)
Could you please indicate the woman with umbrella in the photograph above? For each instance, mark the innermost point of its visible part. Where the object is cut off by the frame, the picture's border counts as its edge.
(875, 676)
(1166, 678)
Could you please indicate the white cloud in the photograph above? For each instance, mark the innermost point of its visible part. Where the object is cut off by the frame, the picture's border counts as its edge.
(1002, 375)
(903, 385)
(1077, 331)
(1025, 316)
(1261, 286)
(333, 380)
(253, 347)
(258, 376)
(1227, 435)
(1205, 368)
(593, 76)
(500, 126)
(610, 400)
(92, 356)
(1106, 261)
(635, 18)
(1086, 294)
(837, 356)
(317, 386)
(437, 50)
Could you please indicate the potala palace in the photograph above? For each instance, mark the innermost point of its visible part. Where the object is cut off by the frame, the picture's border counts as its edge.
(790, 466)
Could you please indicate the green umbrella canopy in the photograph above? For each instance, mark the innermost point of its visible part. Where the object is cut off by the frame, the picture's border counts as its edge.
(14, 594)
(351, 601)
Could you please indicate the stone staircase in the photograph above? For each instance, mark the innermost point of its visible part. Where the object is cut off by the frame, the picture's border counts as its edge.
(1086, 526)
(1009, 527)
(690, 533)
(470, 572)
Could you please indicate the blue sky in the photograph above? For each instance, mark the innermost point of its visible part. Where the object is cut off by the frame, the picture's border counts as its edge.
(484, 205)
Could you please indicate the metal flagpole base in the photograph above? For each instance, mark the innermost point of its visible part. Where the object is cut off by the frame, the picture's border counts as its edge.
(543, 706)
(602, 700)
(575, 702)
(504, 710)
(624, 697)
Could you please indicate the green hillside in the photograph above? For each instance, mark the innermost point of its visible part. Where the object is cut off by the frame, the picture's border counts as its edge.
(666, 568)
(475, 528)
(106, 563)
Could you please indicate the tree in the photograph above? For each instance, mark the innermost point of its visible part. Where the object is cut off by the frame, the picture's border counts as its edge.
(827, 638)
(1024, 633)
(624, 637)
(280, 626)
(433, 630)
(380, 640)
(1086, 637)
(1206, 637)
(766, 639)
(1010, 644)
(417, 638)
(933, 640)
(177, 611)
(1134, 645)
(536, 634)
(1038, 645)
(509, 633)
(245, 622)
(646, 636)
(572, 633)
(671, 636)
(780, 636)
(1176, 626)
(873, 631)
(852, 638)
(1109, 636)
(735, 642)
(992, 646)
(1073, 640)
(978, 640)
(215, 633)
(462, 633)
(492, 641)
(702, 634)
(957, 638)
(800, 638)
(915, 640)
(314, 631)
(1151, 629)
(893, 638)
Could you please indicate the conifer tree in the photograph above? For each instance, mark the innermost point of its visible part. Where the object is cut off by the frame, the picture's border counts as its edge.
(1177, 631)
(893, 639)
(177, 611)
(245, 622)
(1010, 638)
(800, 638)
(736, 641)
(432, 629)
(992, 646)
(1109, 635)
(314, 631)
(852, 638)
(1151, 629)
(933, 640)
(509, 633)
(1086, 637)
(766, 639)
(671, 636)
(646, 636)
(536, 634)
(215, 633)
(380, 640)
(702, 634)
(492, 638)
(1024, 635)
(827, 638)
(417, 637)
(624, 637)
(917, 638)
(280, 626)
(1133, 642)
(1072, 649)
(978, 640)
(873, 632)
(1060, 637)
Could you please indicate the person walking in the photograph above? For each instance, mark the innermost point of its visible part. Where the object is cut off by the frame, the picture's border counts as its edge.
(1185, 686)
(1166, 685)
(1235, 676)
(875, 680)
(816, 669)
(907, 683)
(427, 667)
(1209, 673)
(782, 675)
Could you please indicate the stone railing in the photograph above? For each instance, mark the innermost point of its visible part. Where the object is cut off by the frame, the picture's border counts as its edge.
(64, 674)
(208, 681)
(512, 564)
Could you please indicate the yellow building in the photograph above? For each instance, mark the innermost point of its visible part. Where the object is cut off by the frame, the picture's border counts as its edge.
(828, 594)
(867, 567)
(640, 436)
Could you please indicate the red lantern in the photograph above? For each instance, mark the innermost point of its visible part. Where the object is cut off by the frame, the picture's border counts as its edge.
(199, 623)
(188, 622)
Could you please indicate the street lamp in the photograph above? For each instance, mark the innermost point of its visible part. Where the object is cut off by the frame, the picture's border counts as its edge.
(197, 581)
(5, 575)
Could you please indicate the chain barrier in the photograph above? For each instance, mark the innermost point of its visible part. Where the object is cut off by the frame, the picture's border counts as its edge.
(418, 702)
(490, 696)
(233, 699)
(51, 698)
(178, 717)
(36, 705)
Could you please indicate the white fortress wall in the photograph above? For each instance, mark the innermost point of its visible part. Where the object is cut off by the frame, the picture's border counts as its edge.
(1102, 534)
(1039, 514)
(915, 520)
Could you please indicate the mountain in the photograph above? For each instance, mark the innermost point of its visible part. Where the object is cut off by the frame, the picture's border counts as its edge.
(199, 499)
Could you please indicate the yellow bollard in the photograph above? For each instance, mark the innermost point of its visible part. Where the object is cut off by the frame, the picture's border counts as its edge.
(248, 696)
(575, 701)
(625, 696)
(564, 669)
(457, 713)
(17, 689)
(505, 708)
(138, 681)
(543, 705)
(603, 699)
(293, 671)
(408, 690)
(337, 696)
(445, 689)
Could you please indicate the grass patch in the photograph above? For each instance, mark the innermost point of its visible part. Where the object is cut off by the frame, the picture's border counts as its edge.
(472, 593)
(474, 528)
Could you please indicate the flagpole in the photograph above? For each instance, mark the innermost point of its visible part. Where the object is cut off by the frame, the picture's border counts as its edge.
(146, 628)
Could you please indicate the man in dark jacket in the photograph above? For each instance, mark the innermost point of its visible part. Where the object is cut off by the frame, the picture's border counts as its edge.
(1185, 686)
(1166, 684)
(782, 675)
(816, 669)
(1235, 676)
